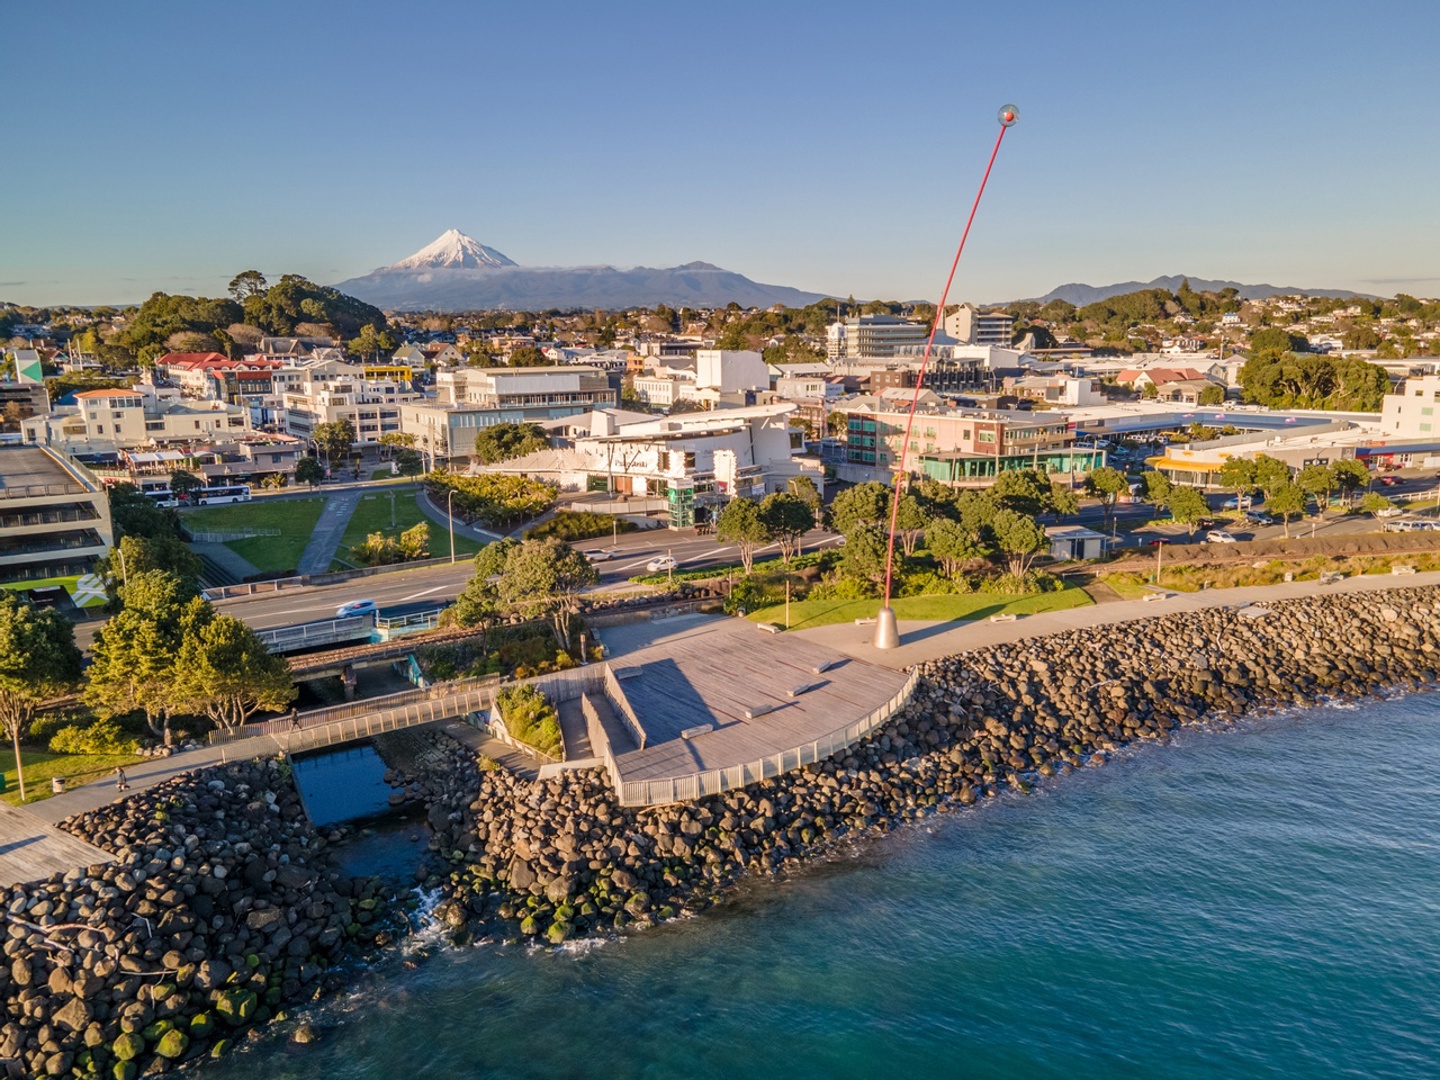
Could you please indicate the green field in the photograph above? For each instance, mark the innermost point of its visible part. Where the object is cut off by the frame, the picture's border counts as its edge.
(41, 765)
(68, 583)
(295, 518)
(372, 514)
(942, 608)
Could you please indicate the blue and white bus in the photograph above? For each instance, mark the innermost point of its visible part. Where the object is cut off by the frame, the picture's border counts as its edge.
(210, 496)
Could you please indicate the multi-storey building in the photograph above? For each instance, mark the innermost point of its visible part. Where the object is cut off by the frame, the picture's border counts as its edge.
(879, 336)
(54, 515)
(970, 327)
(371, 405)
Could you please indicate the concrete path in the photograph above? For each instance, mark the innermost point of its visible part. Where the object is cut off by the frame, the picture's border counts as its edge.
(921, 641)
(325, 540)
(510, 759)
(31, 849)
(437, 514)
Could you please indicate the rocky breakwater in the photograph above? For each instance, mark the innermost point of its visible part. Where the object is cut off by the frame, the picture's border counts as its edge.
(556, 858)
(220, 908)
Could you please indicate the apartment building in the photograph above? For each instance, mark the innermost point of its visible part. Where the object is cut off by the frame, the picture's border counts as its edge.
(54, 515)
(970, 327)
(371, 405)
(878, 336)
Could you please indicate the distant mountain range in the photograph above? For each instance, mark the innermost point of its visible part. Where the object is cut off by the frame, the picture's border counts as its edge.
(1080, 295)
(458, 273)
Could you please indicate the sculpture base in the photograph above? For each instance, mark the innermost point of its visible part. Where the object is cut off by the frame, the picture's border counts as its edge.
(887, 630)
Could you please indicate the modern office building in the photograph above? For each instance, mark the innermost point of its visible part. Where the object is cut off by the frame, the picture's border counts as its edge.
(878, 336)
(54, 515)
(970, 327)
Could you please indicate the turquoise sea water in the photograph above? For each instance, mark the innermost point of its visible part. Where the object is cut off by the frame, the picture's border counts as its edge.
(1257, 902)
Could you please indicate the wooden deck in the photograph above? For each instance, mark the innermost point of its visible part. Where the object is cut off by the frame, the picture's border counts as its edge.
(714, 672)
(30, 849)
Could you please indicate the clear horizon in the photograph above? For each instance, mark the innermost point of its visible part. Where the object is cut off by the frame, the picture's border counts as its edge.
(168, 148)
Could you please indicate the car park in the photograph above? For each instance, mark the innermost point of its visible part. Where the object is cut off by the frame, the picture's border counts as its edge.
(1254, 517)
(661, 563)
(1219, 536)
(356, 607)
(1389, 511)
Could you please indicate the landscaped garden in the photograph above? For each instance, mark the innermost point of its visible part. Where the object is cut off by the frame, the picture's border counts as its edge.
(391, 513)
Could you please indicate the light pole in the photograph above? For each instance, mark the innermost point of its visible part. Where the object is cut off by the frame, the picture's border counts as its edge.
(450, 516)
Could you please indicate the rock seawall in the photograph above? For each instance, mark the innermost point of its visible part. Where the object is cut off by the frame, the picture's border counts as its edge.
(558, 858)
(221, 906)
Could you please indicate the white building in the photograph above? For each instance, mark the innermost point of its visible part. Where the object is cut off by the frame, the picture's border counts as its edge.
(878, 336)
(1410, 412)
(970, 327)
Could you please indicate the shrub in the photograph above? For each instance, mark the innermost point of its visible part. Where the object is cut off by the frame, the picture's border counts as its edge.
(840, 587)
(531, 719)
(101, 737)
(572, 525)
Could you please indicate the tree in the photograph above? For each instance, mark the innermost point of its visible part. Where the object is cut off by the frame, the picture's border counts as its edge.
(132, 514)
(1027, 491)
(134, 656)
(1286, 501)
(786, 519)
(804, 489)
(373, 343)
(409, 462)
(865, 553)
(38, 661)
(501, 442)
(528, 356)
(479, 603)
(1019, 538)
(952, 544)
(183, 484)
(1237, 474)
(863, 504)
(1374, 502)
(741, 524)
(911, 520)
(334, 440)
(1270, 473)
(136, 555)
(546, 577)
(1350, 476)
(308, 470)
(225, 672)
(1317, 481)
(1212, 395)
(1106, 484)
(1064, 503)
(246, 284)
(414, 542)
(1187, 506)
(1156, 486)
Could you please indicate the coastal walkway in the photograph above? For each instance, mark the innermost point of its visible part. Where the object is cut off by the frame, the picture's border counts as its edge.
(922, 640)
(325, 540)
(31, 848)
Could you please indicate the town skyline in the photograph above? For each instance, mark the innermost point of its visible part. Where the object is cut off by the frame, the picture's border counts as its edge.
(1247, 147)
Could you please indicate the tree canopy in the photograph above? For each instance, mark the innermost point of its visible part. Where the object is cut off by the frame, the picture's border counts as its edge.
(501, 442)
(38, 661)
(1286, 381)
(741, 525)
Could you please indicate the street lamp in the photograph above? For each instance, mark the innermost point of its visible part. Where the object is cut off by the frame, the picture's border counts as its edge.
(450, 516)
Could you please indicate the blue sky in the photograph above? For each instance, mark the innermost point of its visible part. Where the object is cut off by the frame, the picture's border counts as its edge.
(833, 147)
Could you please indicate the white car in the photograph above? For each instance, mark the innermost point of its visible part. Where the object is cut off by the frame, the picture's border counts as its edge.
(1389, 511)
(600, 555)
(1218, 536)
(356, 607)
(661, 563)
(1235, 502)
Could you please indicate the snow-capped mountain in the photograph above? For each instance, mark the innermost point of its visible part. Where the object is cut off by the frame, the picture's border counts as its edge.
(458, 273)
(453, 250)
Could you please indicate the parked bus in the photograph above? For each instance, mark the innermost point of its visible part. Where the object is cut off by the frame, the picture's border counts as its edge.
(210, 496)
(161, 496)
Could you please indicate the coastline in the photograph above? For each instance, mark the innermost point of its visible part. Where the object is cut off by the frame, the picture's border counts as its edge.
(556, 859)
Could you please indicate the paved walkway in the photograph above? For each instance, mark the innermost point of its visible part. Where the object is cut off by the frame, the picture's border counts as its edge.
(921, 641)
(325, 540)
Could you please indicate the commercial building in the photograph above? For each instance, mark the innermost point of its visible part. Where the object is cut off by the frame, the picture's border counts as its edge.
(104, 421)
(1410, 412)
(879, 336)
(54, 515)
(956, 446)
(371, 405)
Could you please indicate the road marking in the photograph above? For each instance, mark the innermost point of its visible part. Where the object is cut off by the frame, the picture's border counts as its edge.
(418, 595)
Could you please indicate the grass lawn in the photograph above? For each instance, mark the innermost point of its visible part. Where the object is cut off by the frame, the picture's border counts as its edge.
(94, 599)
(945, 607)
(295, 518)
(372, 514)
(41, 765)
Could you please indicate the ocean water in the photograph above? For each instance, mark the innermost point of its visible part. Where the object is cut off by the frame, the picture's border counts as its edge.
(1262, 901)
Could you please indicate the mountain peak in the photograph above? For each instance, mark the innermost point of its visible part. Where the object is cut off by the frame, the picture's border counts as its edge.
(453, 250)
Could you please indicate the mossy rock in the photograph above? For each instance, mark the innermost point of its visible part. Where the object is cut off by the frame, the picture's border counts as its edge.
(202, 1024)
(366, 905)
(157, 1031)
(529, 926)
(273, 995)
(252, 961)
(163, 991)
(666, 912)
(173, 1044)
(558, 932)
(587, 908)
(128, 1046)
(220, 1049)
(125, 1070)
(236, 1007)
